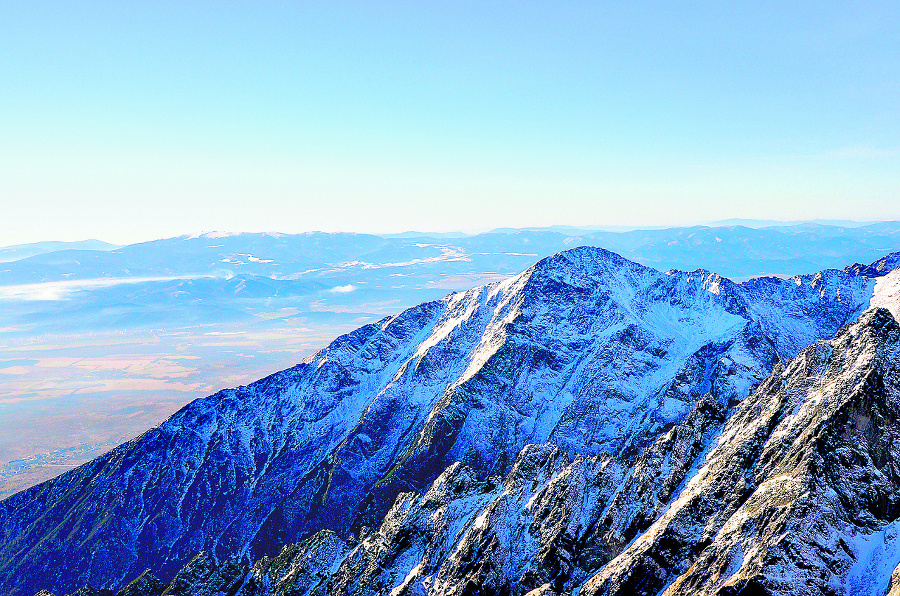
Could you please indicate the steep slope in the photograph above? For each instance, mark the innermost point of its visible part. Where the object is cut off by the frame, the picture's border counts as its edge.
(586, 351)
(798, 492)
(801, 493)
(551, 522)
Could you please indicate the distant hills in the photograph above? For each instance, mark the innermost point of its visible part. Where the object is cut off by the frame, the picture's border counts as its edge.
(22, 251)
(772, 223)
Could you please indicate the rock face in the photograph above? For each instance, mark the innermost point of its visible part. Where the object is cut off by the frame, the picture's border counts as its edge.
(800, 493)
(146, 584)
(539, 434)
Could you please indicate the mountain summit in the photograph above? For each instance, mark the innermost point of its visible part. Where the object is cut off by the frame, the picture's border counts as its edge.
(537, 433)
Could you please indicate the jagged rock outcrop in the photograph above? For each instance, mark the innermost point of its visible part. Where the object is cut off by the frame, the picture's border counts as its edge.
(589, 356)
(300, 569)
(801, 493)
(146, 584)
(547, 526)
(204, 576)
(882, 266)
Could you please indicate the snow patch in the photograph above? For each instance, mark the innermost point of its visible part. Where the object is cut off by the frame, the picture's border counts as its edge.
(877, 554)
(887, 293)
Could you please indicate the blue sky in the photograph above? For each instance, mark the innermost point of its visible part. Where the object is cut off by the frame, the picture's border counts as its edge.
(131, 121)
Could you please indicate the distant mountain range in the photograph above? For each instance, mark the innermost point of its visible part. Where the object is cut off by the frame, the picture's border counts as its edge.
(23, 251)
(137, 285)
(591, 425)
(772, 223)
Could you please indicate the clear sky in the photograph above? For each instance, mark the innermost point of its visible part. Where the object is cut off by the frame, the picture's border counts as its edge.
(128, 121)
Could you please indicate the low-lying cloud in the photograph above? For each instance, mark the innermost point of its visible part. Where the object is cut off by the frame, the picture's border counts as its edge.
(60, 290)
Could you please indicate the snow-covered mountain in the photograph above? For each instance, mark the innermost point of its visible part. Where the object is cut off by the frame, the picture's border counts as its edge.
(582, 425)
(102, 342)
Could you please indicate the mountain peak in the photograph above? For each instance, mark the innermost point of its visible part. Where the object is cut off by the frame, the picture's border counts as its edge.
(882, 266)
(588, 356)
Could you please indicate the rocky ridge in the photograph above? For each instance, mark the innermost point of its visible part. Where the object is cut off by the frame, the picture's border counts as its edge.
(797, 492)
(521, 436)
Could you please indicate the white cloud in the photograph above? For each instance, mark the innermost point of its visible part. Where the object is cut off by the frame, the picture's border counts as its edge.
(343, 289)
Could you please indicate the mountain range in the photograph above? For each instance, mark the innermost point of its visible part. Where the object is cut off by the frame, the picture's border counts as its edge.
(591, 425)
(100, 342)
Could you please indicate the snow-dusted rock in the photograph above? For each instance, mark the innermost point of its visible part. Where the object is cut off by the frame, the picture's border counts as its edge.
(800, 494)
(589, 356)
(300, 569)
(146, 584)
